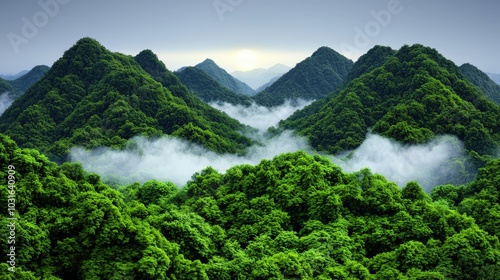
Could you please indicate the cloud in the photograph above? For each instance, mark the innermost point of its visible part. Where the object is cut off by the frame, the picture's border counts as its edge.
(173, 159)
(5, 102)
(261, 117)
(430, 164)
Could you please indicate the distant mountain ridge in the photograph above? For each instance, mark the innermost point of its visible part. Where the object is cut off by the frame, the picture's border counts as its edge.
(10, 90)
(14, 76)
(208, 89)
(225, 79)
(495, 77)
(482, 81)
(313, 78)
(256, 78)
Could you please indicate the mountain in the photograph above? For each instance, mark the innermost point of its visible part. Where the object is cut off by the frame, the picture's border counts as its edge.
(93, 97)
(13, 77)
(258, 77)
(207, 89)
(482, 81)
(374, 58)
(22, 83)
(312, 78)
(495, 77)
(5, 86)
(268, 84)
(10, 90)
(413, 96)
(225, 79)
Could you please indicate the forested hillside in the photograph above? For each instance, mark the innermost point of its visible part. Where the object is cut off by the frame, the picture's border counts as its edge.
(482, 81)
(209, 90)
(92, 97)
(225, 79)
(413, 96)
(293, 217)
(310, 79)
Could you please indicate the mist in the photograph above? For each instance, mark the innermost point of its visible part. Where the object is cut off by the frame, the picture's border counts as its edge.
(429, 164)
(261, 117)
(5, 102)
(173, 159)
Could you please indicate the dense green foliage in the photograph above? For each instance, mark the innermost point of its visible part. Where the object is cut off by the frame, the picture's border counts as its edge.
(310, 79)
(415, 95)
(207, 89)
(225, 79)
(482, 81)
(293, 217)
(93, 97)
(374, 58)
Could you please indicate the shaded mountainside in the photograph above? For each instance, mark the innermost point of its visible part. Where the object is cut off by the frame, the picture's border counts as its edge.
(207, 89)
(18, 86)
(5, 86)
(22, 83)
(225, 79)
(310, 79)
(296, 217)
(482, 81)
(374, 58)
(415, 95)
(93, 97)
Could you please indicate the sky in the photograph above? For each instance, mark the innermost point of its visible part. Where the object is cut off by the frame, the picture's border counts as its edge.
(245, 34)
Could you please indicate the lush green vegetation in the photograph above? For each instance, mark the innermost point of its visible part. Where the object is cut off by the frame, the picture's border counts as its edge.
(209, 90)
(225, 79)
(310, 79)
(374, 58)
(413, 96)
(293, 217)
(482, 81)
(93, 97)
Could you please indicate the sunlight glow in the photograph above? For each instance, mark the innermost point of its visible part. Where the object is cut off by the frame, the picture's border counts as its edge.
(246, 60)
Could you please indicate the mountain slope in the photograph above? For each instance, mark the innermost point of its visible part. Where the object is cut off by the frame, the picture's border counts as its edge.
(93, 97)
(22, 83)
(482, 81)
(225, 79)
(495, 77)
(207, 89)
(415, 95)
(14, 76)
(312, 78)
(374, 58)
(5, 86)
(268, 84)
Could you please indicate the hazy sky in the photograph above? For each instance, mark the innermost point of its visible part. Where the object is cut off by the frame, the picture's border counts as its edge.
(185, 32)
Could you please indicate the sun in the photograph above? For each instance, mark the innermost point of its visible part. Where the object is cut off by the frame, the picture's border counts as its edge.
(246, 60)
